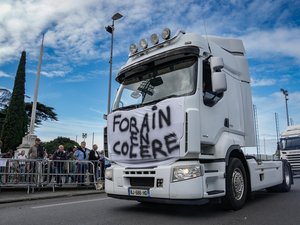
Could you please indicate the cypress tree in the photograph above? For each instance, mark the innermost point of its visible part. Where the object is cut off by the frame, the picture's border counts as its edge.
(15, 123)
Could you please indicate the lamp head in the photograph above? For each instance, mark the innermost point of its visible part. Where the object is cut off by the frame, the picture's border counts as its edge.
(285, 92)
(117, 16)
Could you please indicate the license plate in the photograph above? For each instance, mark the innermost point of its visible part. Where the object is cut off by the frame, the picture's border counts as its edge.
(138, 192)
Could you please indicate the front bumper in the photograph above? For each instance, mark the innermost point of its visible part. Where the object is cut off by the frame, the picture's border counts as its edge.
(156, 181)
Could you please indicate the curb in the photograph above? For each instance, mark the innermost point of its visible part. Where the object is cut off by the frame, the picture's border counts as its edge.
(45, 195)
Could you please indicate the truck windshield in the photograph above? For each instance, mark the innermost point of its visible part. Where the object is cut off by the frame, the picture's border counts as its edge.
(157, 82)
(292, 143)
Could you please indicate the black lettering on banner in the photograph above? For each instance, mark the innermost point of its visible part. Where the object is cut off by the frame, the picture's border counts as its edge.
(133, 125)
(144, 139)
(114, 148)
(153, 116)
(145, 124)
(166, 118)
(144, 151)
(170, 141)
(134, 143)
(131, 154)
(115, 121)
(156, 148)
(124, 148)
(134, 139)
(122, 129)
(137, 135)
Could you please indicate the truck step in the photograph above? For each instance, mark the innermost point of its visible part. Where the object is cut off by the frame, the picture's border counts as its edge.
(215, 192)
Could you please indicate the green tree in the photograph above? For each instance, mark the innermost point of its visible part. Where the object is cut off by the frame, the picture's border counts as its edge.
(43, 113)
(52, 146)
(2, 118)
(15, 123)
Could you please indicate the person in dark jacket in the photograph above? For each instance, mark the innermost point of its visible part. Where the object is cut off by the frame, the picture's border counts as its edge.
(36, 152)
(94, 157)
(60, 154)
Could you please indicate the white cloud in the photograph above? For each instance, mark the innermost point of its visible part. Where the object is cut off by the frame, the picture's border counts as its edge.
(53, 74)
(267, 43)
(99, 112)
(75, 79)
(19, 17)
(3, 74)
(262, 82)
(74, 28)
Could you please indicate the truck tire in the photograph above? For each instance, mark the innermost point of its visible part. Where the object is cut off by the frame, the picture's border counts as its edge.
(236, 185)
(286, 184)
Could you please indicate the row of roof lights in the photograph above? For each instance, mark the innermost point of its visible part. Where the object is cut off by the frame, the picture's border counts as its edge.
(166, 34)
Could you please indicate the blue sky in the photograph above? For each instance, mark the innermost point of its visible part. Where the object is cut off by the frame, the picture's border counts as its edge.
(75, 62)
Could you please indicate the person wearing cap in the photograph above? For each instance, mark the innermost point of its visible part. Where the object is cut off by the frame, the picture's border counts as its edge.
(36, 152)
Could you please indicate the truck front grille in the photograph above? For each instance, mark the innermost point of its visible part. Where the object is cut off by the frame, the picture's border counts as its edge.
(139, 172)
(140, 177)
(294, 159)
(141, 181)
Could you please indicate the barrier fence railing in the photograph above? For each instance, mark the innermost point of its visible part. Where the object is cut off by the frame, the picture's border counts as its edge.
(50, 173)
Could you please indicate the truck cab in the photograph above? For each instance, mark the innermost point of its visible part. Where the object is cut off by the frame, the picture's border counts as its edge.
(289, 147)
(180, 118)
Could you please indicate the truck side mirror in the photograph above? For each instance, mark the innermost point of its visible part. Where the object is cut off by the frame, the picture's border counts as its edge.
(219, 84)
(216, 64)
(218, 79)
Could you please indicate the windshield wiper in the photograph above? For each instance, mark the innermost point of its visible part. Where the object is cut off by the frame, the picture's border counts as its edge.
(135, 106)
(159, 100)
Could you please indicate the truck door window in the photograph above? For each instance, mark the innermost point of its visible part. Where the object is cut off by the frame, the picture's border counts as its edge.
(210, 98)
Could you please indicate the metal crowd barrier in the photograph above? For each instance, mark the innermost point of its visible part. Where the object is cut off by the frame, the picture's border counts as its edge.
(49, 173)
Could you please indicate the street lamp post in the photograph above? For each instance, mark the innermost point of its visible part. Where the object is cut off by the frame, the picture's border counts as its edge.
(36, 90)
(110, 29)
(286, 94)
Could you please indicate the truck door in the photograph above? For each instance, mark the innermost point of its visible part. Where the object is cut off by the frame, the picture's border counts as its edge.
(214, 111)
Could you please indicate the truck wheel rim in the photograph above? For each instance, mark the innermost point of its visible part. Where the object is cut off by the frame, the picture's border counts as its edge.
(238, 184)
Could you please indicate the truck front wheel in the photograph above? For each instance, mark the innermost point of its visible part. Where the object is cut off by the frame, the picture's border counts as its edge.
(236, 185)
(287, 178)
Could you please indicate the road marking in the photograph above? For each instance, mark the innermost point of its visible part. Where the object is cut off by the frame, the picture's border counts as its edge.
(68, 203)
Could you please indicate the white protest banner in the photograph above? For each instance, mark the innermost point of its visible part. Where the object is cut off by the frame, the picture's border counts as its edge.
(147, 134)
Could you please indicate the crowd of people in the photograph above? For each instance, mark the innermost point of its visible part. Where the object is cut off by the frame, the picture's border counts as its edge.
(63, 166)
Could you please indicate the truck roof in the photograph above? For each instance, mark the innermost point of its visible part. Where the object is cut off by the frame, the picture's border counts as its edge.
(232, 45)
(293, 130)
(230, 49)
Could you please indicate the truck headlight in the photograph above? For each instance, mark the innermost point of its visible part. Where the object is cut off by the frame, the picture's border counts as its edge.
(180, 173)
(109, 174)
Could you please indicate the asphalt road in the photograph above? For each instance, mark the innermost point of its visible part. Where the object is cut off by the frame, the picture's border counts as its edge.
(263, 208)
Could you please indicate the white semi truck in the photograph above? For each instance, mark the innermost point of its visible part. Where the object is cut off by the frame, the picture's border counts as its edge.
(289, 147)
(181, 116)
